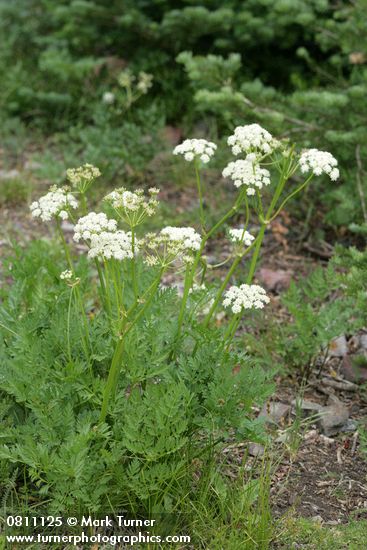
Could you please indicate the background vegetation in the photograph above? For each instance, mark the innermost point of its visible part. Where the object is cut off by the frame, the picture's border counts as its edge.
(297, 66)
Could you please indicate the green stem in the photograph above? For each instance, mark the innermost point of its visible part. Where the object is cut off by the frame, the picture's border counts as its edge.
(295, 192)
(68, 324)
(224, 284)
(83, 202)
(108, 290)
(102, 288)
(65, 246)
(133, 265)
(191, 274)
(117, 356)
(200, 193)
(265, 222)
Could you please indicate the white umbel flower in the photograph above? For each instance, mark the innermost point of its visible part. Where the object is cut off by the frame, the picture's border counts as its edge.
(93, 224)
(189, 238)
(109, 245)
(252, 138)
(241, 236)
(245, 297)
(196, 148)
(171, 244)
(55, 204)
(319, 162)
(244, 172)
(129, 203)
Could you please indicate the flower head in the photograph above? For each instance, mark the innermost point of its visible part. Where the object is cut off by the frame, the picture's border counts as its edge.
(252, 138)
(144, 82)
(241, 236)
(245, 297)
(55, 204)
(93, 224)
(134, 206)
(171, 244)
(319, 162)
(191, 149)
(82, 177)
(244, 172)
(107, 245)
(108, 98)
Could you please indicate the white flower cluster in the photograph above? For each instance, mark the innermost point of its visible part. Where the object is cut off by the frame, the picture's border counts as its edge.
(83, 176)
(252, 138)
(190, 239)
(108, 98)
(241, 236)
(319, 162)
(196, 148)
(55, 203)
(109, 245)
(245, 297)
(170, 244)
(244, 172)
(66, 275)
(134, 202)
(93, 224)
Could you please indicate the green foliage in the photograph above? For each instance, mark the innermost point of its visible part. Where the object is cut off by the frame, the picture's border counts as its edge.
(163, 418)
(14, 191)
(57, 55)
(354, 279)
(318, 312)
(314, 536)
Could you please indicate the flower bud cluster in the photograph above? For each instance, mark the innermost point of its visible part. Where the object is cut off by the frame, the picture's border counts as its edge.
(55, 204)
(245, 172)
(66, 275)
(252, 138)
(93, 224)
(191, 149)
(245, 297)
(82, 177)
(319, 162)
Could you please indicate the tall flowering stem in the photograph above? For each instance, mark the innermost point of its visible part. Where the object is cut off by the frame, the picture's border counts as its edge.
(126, 325)
(200, 194)
(191, 273)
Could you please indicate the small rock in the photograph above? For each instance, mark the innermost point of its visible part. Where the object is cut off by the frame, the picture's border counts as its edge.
(349, 426)
(172, 135)
(351, 371)
(333, 417)
(32, 165)
(317, 519)
(255, 449)
(9, 174)
(275, 280)
(311, 435)
(363, 341)
(274, 412)
(338, 347)
(354, 343)
(307, 405)
(327, 440)
(67, 226)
